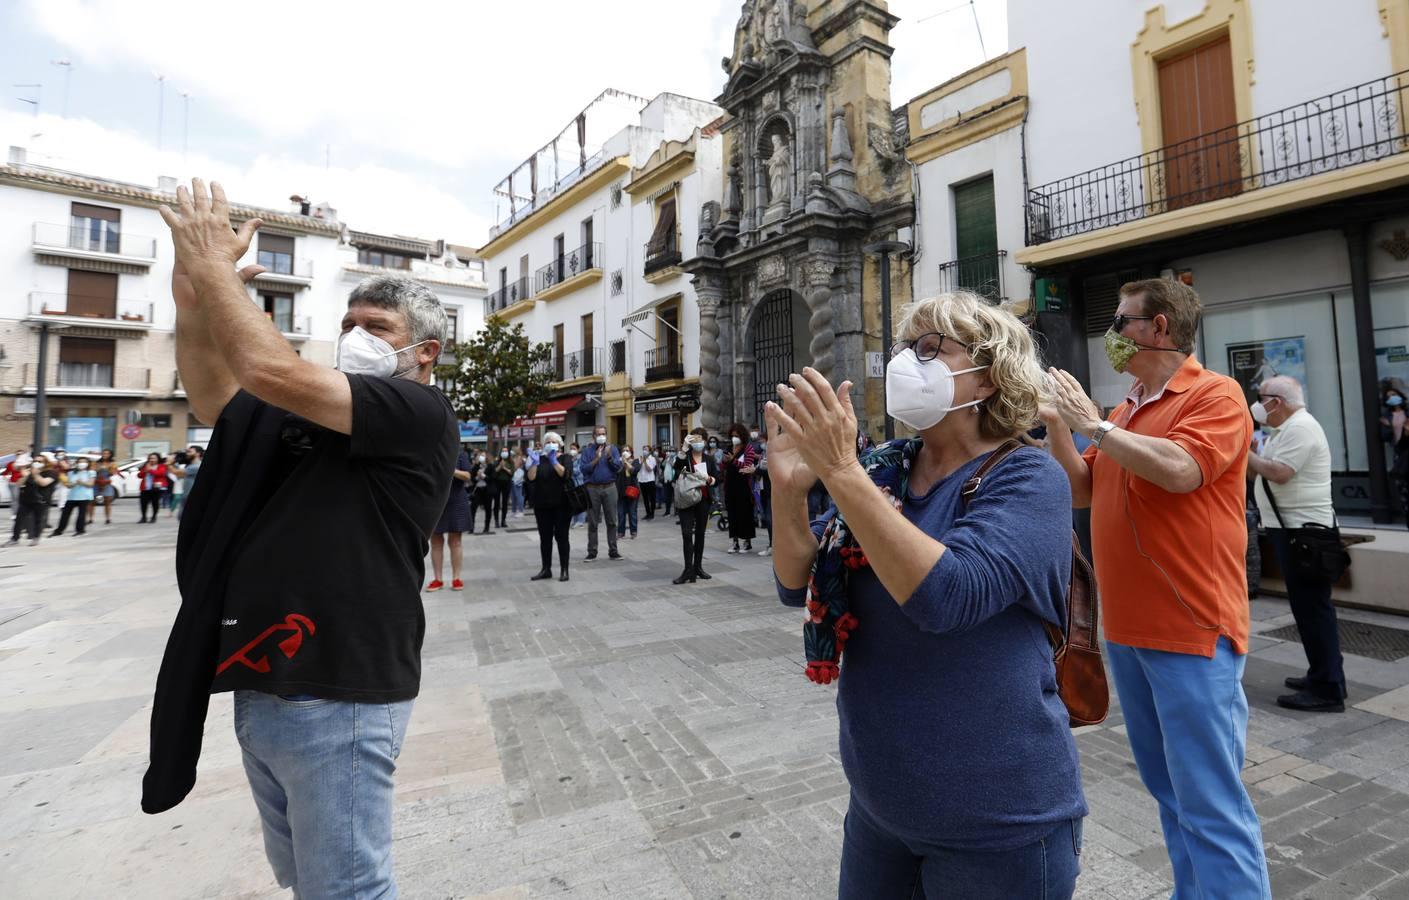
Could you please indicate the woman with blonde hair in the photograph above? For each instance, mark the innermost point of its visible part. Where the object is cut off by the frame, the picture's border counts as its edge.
(964, 775)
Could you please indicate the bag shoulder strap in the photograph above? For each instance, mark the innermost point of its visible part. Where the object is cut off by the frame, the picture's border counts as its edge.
(966, 493)
(1267, 489)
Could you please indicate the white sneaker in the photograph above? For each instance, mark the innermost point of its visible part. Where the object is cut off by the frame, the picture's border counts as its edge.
(733, 549)
(767, 551)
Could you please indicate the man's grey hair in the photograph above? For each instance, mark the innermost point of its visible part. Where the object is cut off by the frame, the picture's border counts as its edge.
(425, 317)
(1286, 387)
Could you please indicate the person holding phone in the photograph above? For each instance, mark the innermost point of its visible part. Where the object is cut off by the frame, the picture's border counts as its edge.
(693, 457)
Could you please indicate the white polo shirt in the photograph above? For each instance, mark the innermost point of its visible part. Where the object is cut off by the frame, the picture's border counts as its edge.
(1301, 444)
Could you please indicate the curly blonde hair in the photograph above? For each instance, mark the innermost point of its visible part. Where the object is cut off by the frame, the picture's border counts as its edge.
(996, 338)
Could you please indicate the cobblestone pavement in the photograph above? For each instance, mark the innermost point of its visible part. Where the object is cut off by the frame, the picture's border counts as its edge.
(614, 736)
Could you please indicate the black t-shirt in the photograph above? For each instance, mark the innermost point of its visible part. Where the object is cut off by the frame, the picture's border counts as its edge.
(323, 595)
(550, 488)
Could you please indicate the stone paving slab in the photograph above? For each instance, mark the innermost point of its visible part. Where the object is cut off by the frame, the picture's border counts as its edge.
(616, 737)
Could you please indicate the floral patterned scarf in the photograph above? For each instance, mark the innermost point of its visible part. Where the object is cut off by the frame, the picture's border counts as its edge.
(829, 619)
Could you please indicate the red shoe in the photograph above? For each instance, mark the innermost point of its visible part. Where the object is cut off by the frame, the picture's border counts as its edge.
(457, 585)
(435, 585)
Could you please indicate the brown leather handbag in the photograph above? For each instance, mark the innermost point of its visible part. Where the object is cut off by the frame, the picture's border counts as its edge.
(1081, 676)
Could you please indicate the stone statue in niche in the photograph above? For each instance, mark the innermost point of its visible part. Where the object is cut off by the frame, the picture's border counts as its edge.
(780, 172)
(773, 23)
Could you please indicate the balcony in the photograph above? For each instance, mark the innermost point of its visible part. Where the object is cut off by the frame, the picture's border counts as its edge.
(296, 328)
(1249, 169)
(568, 272)
(510, 294)
(572, 366)
(60, 244)
(546, 194)
(982, 274)
(88, 380)
(665, 363)
(68, 309)
(660, 257)
(282, 270)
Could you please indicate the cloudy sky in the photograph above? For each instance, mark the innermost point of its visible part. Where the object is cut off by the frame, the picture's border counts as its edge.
(402, 115)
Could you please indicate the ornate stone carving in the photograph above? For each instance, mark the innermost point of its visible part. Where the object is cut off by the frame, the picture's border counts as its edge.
(772, 271)
(780, 171)
(1397, 246)
(817, 275)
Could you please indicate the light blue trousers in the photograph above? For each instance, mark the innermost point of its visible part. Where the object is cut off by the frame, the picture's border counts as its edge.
(1186, 718)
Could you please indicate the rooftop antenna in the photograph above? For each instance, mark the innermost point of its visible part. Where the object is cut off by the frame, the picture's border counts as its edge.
(161, 105)
(38, 95)
(979, 28)
(67, 65)
(185, 125)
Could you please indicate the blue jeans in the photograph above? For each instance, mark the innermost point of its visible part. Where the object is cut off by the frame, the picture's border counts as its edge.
(626, 515)
(878, 865)
(1187, 721)
(321, 774)
(516, 495)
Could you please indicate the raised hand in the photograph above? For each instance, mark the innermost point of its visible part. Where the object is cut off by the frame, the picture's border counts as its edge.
(184, 292)
(201, 231)
(1076, 410)
(819, 422)
(786, 469)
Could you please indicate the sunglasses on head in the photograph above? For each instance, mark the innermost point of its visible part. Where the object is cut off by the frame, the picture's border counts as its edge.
(1121, 320)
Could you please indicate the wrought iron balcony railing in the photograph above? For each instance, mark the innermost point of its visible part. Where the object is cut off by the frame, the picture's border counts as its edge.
(570, 366)
(507, 296)
(571, 263)
(662, 254)
(666, 361)
(1357, 125)
(982, 274)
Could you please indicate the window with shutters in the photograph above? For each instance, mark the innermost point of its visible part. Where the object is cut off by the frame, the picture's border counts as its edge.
(663, 249)
(977, 265)
(276, 253)
(1198, 119)
(1101, 294)
(92, 294)
(618, 357)
(452, 327)
(280, 310)
(86, 362)
(96, 228)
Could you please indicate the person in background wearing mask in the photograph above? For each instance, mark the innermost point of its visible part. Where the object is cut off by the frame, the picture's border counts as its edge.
(104, 492)
(501, 482)
(1164, 475)
(31, 498)
(301, 554)
(600, 464)
(551, 477)
(451, 528)
(1294, 469)
(152, 478)
(694, 456)
(80, 493)
(716, 451)
(647, 480)
(516, 486)
(481, 493)
(740, 465)
(627, 483)
(965, 780)
(176, 472)
(1394, 431)
(60, 464)
(194, 455)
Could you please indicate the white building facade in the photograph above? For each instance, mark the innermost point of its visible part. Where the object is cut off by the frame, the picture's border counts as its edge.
(1255, 149)
(588, 263)
(85, 265)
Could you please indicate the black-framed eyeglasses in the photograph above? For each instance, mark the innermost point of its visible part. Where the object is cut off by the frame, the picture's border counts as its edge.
(1263, 398)
(1121, 320)
(926, 346)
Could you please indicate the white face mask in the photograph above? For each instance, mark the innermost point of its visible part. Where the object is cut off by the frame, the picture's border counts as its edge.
(600, 439)
(549, 447)
(735, 441)
(697, 446)
(1259, 413)
(82, 466)
(920, 394)
(626, 454)
(753, 435)
(362, 353)
(503, 454)
(479, 459)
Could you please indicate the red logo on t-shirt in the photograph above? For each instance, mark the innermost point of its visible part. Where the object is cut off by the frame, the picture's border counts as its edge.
(293, 625)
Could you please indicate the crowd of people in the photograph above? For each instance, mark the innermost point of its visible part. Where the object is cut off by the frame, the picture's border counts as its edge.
(611, 487)
(79, 485)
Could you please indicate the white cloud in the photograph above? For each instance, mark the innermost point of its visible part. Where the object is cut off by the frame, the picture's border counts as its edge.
(368, 197)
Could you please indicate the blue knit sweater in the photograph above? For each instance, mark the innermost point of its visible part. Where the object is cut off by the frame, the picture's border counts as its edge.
(951, 727)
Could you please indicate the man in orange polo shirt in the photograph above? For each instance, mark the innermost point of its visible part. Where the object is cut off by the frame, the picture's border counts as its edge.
(1164, 478)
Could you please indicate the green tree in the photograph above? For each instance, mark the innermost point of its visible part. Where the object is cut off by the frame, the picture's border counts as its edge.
(498, 375)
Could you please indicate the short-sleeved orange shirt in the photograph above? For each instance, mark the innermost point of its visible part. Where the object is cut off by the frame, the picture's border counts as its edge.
(1198, 539)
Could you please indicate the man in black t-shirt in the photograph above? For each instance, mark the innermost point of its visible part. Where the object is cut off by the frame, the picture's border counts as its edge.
(300, 556)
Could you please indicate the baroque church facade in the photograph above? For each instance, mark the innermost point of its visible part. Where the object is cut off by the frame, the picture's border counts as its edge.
(814, 171)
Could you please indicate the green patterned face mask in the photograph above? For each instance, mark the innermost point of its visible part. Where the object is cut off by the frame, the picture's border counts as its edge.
(1119, 349)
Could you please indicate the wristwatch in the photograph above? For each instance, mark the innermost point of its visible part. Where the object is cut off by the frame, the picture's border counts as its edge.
(1100, 433)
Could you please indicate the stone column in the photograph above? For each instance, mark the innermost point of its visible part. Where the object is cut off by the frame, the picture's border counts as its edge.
(817, 275)
(708, 294)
